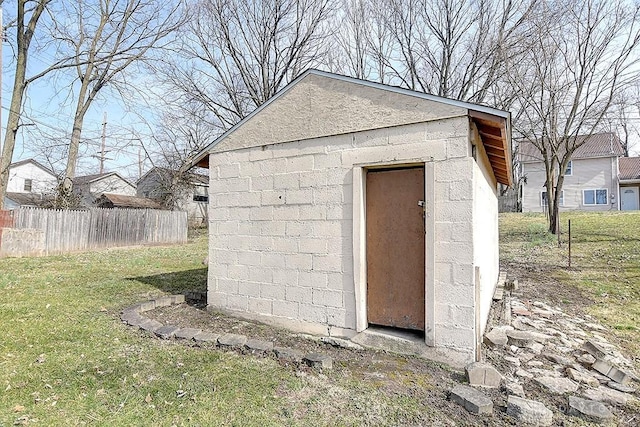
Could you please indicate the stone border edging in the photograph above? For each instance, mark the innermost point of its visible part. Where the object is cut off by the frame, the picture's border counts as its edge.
(133, 316)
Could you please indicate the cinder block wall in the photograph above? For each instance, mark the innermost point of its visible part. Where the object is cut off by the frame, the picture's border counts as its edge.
(281, 227)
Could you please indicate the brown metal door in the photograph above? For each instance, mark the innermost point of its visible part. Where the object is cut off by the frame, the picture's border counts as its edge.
(395, 247)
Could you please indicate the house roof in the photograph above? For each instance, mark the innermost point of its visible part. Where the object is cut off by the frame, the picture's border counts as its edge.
(30, 199)
(494, 125)
(629, 168)
(598, 145)
(32, 161)
(120, 201)
(87, 179)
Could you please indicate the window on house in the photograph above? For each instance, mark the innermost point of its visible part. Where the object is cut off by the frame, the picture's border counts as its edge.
(198, 198)
(28, 184)
(569, 170)
(598, 196)
(543, 198)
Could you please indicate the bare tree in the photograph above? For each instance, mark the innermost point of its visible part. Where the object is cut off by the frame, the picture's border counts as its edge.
(184, 132)
(236, 54)
(583, 55)
(625, 109)
(28, 15)
(353, 57)
(100, 41)
(451, 48)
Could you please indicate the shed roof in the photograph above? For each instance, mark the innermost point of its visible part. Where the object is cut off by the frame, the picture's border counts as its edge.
(629, 168)
(493, 125)
(31, 199)
(605, 144)
(120, 201)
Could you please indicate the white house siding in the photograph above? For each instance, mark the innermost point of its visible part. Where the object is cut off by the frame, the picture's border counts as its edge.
(41, 180)
(594, 173)
(112, 184)
(281, 228)
(485, 232)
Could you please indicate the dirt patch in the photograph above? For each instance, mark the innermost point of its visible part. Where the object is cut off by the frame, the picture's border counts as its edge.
(537, 284)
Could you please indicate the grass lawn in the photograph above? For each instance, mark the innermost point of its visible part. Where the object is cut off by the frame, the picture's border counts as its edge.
(66, 359)
(605, 264)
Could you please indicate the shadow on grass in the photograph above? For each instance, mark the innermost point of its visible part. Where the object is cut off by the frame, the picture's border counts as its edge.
(177, 282)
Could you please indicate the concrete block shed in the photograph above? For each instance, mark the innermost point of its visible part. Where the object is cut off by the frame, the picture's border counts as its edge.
(350, 208)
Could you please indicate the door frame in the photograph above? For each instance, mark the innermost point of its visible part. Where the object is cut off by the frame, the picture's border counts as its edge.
(360, 243)
(637, 193)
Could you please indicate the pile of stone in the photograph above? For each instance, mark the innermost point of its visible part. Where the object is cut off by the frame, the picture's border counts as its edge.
(540, 347)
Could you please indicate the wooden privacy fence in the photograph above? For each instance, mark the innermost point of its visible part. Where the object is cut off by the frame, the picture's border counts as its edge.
(77, 230)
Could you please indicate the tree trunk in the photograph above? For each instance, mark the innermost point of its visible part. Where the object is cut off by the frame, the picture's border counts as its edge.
(23, 40)
(12, 123)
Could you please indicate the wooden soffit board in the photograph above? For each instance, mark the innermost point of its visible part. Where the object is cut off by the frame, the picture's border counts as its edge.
(495, 133)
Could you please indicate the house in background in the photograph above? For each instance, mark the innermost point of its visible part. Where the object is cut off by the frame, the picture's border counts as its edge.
(30, 184)
(188, 191)
(629, 183)
(597, 178)
(90, 187)
(350, 208)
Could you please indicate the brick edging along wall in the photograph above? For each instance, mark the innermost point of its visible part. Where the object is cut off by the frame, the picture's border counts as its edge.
(133, 316)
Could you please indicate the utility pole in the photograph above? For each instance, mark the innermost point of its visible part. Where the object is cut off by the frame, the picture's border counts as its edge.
(1, 43)
(102, 145)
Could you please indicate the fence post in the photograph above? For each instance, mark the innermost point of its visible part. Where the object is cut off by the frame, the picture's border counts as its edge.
(569, 231)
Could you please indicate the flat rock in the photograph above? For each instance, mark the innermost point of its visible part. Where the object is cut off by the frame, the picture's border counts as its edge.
(132, 318)
(471, 399)
(286, 353)
(232, 340)
(520, 311)
(535, 347)
(558, 385)
(483, 374)
(524, 374)
(496, 337)
(150, 325)
(525, 357)
(521, 326)
(520, 338)
(167, 331)
(529, 411)
(259, 345)
(621, 387)
(589, 409)
(546, 373)
(607, 395)
(610, 371)
(515, 389)
(318, 360)
(586, 359)
(187, 333)
(582, 377)
(205, 336)
(556, 358)
(595, 349)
